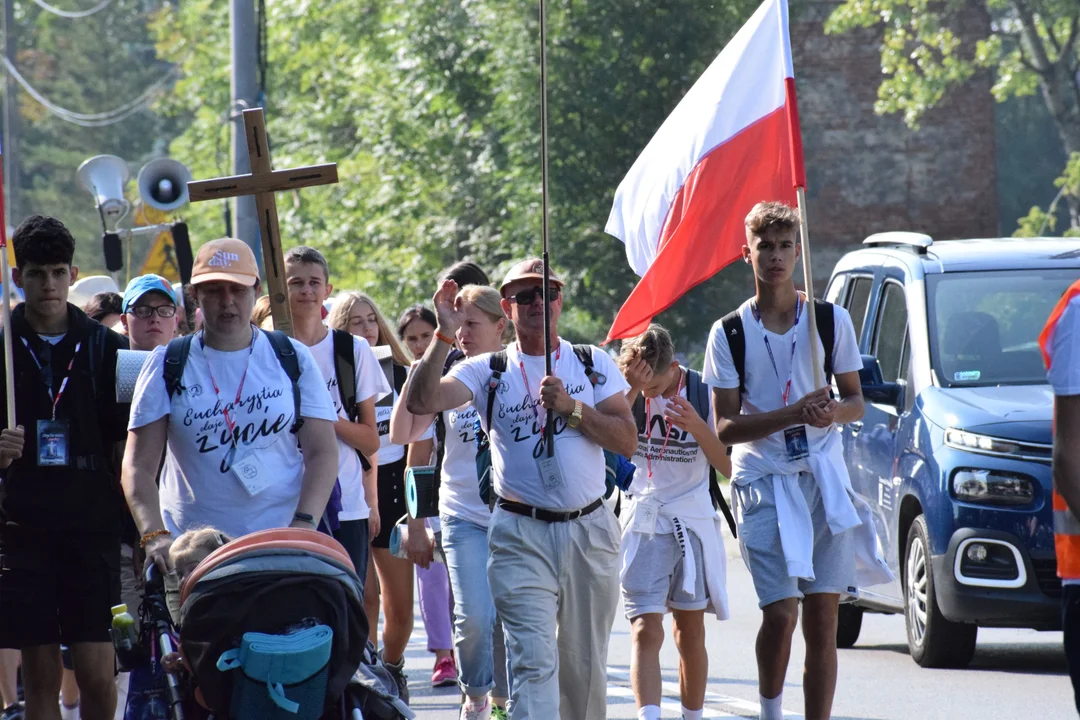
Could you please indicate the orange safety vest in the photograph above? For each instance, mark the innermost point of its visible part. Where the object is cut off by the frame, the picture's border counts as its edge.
(1066, 524)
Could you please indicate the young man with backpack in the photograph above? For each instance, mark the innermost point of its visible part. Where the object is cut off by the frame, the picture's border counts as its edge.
(554, 545)
(355, 382)
(802, 530)
(234, 404)
(673, 557)
(60, 506)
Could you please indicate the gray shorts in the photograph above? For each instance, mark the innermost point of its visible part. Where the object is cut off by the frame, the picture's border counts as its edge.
(653, 582)
(759, 540)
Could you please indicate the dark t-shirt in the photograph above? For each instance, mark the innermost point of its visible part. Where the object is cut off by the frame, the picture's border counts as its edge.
(84, 496)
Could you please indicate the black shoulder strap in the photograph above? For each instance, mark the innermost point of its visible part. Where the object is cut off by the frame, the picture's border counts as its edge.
(401, 374)
(497, 363)
(736, 338)
(345, 370)
(585, 357)
(698, 393)
(639, 414)
(823, 312)
(96, 348)
(290, 363)
(176, 355)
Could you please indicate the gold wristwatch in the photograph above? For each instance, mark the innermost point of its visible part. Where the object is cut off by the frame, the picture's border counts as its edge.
(575, 417)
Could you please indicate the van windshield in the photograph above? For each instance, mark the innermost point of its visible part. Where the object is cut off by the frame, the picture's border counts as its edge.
(984, 326)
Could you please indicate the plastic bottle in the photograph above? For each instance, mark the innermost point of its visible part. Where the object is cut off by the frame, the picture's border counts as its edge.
(125, 637)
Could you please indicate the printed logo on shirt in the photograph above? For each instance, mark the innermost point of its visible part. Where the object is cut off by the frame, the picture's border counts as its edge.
(524, 424)
(335, 396)
(463, 423)
(212, 432)
(223, 259)
(682, 448)
(502, 388)
(195, 391)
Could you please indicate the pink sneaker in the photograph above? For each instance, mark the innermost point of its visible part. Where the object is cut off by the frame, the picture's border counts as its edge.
(445, 672)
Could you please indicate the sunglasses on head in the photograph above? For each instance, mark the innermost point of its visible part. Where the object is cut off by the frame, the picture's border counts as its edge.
(526, 297)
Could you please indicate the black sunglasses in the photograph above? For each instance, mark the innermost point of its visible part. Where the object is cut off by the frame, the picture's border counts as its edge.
(526, 297)
(145, 311)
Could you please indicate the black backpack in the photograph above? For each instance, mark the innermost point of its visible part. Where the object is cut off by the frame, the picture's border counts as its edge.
(345, 370)
(733, 330)
(176, 356)
(700, 397)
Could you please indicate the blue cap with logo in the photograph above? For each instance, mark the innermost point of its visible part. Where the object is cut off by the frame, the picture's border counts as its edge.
(147, 283)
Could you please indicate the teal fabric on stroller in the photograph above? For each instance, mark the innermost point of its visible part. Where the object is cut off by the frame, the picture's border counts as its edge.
(282, 677)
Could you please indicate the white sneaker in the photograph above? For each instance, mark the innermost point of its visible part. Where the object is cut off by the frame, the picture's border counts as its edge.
(484, 713)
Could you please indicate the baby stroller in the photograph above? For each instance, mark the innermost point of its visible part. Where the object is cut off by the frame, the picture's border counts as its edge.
(278, 587)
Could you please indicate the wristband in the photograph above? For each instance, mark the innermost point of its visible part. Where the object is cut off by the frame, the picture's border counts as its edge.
(304, 517)
(145, 539)
(443, 338)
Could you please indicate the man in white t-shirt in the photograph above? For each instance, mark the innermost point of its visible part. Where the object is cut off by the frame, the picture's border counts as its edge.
(790, 483)
(308, 278)
(553, 564)
(233, 460)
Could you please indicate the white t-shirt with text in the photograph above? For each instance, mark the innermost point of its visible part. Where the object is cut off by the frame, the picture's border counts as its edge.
(370, 383)
(518, 425)
(765, 386)
(459, 494)
(679, 470)
(198, 486)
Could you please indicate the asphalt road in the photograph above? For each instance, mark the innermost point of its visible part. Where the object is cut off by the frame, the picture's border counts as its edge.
(1016, 674)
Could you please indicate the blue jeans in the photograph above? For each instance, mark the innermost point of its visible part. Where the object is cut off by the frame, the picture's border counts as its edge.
(483, 665)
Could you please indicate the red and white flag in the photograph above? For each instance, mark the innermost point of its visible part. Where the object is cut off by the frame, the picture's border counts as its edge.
(733, 141)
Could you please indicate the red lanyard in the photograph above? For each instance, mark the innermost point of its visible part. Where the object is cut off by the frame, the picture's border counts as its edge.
(229, 422)
(63, 383)
(667, 438)
(525, 377)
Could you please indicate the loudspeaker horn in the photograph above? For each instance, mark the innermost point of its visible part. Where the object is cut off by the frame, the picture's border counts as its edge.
(163, 184)
(104, 177)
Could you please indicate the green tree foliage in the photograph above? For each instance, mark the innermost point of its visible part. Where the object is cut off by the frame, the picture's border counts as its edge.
(1031, 46)
(1038, 221)
(88, 65)
(431, 110)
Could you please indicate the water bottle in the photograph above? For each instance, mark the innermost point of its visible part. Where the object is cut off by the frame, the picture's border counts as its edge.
(125, 638)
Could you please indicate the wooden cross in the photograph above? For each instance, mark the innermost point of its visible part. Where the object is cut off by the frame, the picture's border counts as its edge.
(263, 182)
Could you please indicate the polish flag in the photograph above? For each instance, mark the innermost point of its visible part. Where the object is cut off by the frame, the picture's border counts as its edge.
(733, 141)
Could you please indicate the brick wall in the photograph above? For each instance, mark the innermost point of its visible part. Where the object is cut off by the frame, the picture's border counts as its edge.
(868, 173)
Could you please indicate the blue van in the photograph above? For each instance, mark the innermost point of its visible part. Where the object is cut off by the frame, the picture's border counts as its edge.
(953, 453)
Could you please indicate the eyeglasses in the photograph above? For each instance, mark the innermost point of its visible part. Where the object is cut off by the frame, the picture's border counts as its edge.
(145, 311)
(526, 297)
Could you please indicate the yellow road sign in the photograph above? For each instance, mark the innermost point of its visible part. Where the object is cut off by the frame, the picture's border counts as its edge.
(161, 260)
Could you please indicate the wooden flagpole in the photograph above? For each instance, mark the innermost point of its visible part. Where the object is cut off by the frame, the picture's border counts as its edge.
(5, 308)
(808, 279)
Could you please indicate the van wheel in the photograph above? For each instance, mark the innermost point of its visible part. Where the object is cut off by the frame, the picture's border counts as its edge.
(849, 625)
(934, 641)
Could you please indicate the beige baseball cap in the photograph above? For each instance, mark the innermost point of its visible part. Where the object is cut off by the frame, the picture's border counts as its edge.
(531, 269)
(226, 259)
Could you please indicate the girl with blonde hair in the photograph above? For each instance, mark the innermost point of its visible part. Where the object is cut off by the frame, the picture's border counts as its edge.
(390, 576)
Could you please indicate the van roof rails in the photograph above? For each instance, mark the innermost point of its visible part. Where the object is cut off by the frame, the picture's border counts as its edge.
(917, 242)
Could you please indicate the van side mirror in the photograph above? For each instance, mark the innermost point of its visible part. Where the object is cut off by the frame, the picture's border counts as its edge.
(874, 388)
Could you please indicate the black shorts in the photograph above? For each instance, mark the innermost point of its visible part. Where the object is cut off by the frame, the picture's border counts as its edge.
(57, 589)
(353, 536)
(391, 500)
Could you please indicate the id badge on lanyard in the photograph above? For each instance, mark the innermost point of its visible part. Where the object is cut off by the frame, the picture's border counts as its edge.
(796, 442)
(53, 435)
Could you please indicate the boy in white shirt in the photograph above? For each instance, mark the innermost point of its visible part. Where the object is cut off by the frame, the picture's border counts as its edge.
(800, 525)
(672, 552)
(308, 276)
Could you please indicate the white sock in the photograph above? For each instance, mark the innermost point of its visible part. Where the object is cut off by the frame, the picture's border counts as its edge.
(477, 703)
(649, 712)
(691, 714)
(772, 709)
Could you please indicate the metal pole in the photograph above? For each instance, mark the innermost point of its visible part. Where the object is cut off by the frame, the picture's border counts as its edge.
(549, 427)
(245, 95)
(11, 119)
(808, 279)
